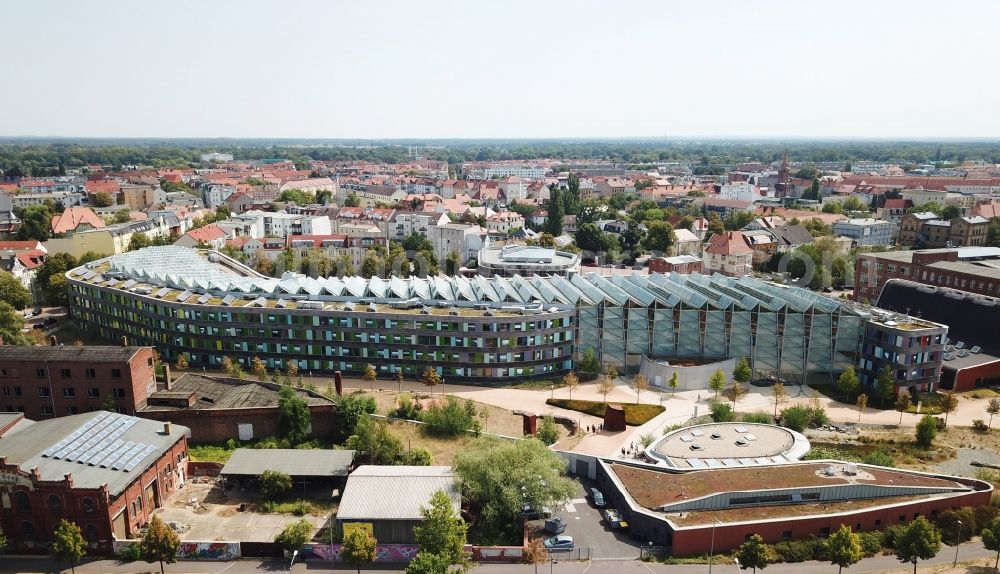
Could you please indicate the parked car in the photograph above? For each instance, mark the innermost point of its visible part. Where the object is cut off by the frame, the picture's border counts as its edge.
(530, 513)
(559, 543)
(555, 525)
(598, 497)
(614, 519)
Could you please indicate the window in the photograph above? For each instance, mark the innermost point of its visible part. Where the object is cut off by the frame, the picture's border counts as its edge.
(786, 535)
(118, 393)
(90, 533)
(47, 411)
(90, 373)
(17, 391)
(55, 505)
(40, 373)
(878, 522)
(65, 373)
(69, 392)
(93, 393)
(43, 392)
(116, 373)
(825, 531)
(27, 531)
(21, 502)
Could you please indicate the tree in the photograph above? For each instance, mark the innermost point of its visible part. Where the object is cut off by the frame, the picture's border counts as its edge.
(885, 386)
(182, 362)
(926, 431)
(992, 408)
(949, 402)
(370, 376)
(612, 372)
(35, 222)
(159, 544)
(451, 417)
(68, 543)
(274, 483)
(13, 292)
(659, 237)
(536, 553)
(359, 548)
(499, 478)
(673, 383)
(736, 392)
(556, 210)
(227, 365)
(588, 363)
(572, 381)
(442, 531)
(903, 403)
(431, 378)
(295, 535)
(259, 368)
(990, 535)
(843, 547)
(862, 403)
(138, 241)
(427, 563)
(350, 409)
(920, 540)
(294, 417)
(452, 263)
(779, 395)
(848, 383)
(374, 443)
(604, 386)
(717, 382)
(102, 199)
(755, 554)
(352, 200)
(742, 372)
(641, 383)
(291, 369)
(11, 323)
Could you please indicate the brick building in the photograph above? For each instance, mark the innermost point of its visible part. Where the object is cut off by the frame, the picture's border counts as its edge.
(104, 471)
(217, 409)
(46, 382)
(683, 264)
(972, 269)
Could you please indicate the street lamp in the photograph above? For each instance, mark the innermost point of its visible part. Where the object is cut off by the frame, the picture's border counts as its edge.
(711, 550)
(958, 540)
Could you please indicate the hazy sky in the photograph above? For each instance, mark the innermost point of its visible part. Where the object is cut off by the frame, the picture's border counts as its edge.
(500, 68)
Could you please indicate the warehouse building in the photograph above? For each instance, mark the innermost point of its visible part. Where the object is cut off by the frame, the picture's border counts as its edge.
(104, 471)
(208, 307)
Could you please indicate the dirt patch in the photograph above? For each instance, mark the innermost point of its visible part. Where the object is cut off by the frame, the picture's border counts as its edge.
(785, 510)
(495, 419)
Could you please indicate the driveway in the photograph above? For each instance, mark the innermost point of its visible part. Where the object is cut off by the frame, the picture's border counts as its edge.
(585, 524)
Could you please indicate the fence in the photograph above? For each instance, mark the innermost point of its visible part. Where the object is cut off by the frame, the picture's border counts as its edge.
(196, 550)
(577, 554)
(653, 552)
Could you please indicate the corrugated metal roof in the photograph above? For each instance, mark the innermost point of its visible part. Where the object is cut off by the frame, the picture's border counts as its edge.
(395, 492)
(291, 461)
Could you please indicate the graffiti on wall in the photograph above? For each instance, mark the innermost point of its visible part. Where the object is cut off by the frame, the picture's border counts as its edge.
(383, 552)
(196, 550)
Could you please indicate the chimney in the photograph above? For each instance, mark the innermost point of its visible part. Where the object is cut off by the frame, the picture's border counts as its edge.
(166, 377)
(339, 382)
(53, 341)
(124, 341)
(166, 428)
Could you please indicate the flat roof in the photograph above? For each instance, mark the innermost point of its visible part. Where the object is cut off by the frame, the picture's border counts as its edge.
(654, 489)
(720, 445)
(96, 448)
(226, 393)
(88, 353)
(395, 492)
(292, 461)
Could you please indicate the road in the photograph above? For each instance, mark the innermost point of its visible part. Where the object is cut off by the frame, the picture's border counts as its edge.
(971, 551)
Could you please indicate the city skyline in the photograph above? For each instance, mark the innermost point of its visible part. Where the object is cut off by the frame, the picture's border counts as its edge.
(556, 70)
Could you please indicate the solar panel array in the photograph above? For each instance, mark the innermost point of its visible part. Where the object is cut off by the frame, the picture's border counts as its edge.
(99, 442)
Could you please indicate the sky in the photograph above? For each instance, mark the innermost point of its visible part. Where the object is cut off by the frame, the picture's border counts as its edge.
(500, 68)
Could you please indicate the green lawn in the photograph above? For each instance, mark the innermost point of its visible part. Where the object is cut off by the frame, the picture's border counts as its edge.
(635, 415)
(209, 453)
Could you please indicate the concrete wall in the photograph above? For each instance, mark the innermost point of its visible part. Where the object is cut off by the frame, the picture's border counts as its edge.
(659, 371)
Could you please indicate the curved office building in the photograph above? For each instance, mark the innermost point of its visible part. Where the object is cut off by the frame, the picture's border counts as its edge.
(208, 306)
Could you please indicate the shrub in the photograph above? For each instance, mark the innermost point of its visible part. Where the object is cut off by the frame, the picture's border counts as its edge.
(635, 415)
(871, 542)
(979, 426)
(274, 483)
(796, 418)
(817, 416)
(451, 418)
(926, 431)
(417, 457)
(878, 458)
(407, 408)
(548, 432)
(796, 550)
(948, 519)
(721, 412)
(892, 534)
(295, 535)
(129, 553)
(758, 417)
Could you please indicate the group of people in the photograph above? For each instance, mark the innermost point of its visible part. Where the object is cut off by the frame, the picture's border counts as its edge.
(634, 450)
(591, 429)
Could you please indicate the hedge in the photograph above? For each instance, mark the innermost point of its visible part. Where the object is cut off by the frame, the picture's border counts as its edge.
(635, 415)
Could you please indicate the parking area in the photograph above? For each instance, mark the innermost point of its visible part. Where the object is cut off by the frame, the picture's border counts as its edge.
(585, 523)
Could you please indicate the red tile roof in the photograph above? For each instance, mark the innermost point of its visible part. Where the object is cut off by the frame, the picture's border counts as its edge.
(206, 234)
(31, 259)
(728, 243)
(74, 217)
(19, 245)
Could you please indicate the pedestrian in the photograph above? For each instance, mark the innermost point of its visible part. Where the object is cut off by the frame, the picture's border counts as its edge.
(623, 451)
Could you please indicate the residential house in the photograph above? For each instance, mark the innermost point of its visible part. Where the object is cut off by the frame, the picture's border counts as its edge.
(728, 253)
(406, 223)
(682, 264)
(22, 259)
(504, 221)
(911, 227)
(336, 245)
(763, 243)
(725, 206)
(685, 243)
(463, 238)
(74, 219)
(867, 231)
(211, 235)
